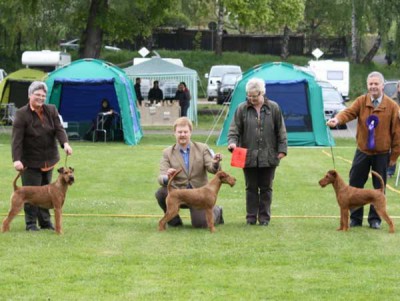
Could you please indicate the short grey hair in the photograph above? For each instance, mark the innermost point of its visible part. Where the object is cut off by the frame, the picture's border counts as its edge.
(37, 85)
(376, 74)
(256, 85)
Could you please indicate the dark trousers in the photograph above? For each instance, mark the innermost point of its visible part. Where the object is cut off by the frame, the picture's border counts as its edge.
(362, 163)
(184, 109)
(197, 216)
(391, 170)
(36, 177)
(259, 193)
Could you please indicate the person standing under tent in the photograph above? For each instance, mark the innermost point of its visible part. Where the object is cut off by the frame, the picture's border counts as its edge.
(183, 96)
(138, 91)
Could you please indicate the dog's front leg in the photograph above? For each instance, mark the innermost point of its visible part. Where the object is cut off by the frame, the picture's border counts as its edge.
(341, 220)
(210, 220)
(345, 218)
(58, 218)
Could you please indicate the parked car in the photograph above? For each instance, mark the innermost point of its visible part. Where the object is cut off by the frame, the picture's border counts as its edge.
(3, 74)
(169, 89)
(333, 102)
(390, 87)
(226, 86)
(145, 86)
(324, 84)
(215, 75)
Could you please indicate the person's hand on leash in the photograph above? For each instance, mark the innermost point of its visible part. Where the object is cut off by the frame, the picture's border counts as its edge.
(18, 166)
(67, 149)
(217, 158)
(332, 122)
(170, 172)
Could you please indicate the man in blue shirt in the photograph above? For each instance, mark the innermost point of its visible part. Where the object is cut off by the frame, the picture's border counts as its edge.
(195, 159)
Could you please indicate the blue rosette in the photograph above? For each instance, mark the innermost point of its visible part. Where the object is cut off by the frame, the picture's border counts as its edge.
(372, 123)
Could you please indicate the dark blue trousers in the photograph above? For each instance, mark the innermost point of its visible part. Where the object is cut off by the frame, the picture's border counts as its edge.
(362, 164)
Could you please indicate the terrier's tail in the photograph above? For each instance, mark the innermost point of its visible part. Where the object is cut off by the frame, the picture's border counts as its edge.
(171, 179)
(382, 188)
(15, 181)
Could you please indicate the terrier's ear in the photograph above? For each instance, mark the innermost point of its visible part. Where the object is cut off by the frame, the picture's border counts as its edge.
(60, 170)
(72, 169)
(333, 173)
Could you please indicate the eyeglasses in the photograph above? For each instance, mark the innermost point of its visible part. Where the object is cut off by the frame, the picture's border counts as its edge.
(254, 96)
(39, 95)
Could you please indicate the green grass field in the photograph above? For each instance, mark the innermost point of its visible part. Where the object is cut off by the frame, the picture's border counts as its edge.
(111, 249)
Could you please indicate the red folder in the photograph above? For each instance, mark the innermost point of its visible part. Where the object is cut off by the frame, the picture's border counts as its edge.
(239, 157)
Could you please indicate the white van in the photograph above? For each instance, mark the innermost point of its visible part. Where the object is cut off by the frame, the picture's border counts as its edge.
(335, 72)
(215, 76)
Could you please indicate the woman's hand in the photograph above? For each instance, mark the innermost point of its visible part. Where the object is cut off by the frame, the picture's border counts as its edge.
(231, 147)
(18, 166)
(67, 149)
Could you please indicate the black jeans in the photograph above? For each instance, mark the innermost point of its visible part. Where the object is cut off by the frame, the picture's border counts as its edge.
(36, 177)
(362, 163)
(259, 193)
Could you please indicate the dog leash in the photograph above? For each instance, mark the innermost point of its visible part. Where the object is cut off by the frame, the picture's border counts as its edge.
(66, 158)
(328, 131)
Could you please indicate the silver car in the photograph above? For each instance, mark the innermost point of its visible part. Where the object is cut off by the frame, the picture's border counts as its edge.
(390, 87)
(169, 89)
(226, 86)
(333, 103)
(215, 75)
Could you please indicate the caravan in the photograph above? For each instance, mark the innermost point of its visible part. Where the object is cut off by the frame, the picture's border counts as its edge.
(45, 60)
(335, 72)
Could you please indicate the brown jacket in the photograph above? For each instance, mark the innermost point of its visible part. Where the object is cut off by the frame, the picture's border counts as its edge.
(200, 162)
(387, 132)
(34, 143)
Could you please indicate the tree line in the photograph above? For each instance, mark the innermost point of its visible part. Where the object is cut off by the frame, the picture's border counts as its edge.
(42, 24)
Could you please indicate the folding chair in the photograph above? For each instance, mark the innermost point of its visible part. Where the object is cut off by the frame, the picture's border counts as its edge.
(8, 113)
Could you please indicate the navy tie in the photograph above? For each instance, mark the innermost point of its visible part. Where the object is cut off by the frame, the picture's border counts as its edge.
(375, 102)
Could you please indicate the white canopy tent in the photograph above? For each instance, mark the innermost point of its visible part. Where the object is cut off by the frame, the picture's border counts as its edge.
(163, 71)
